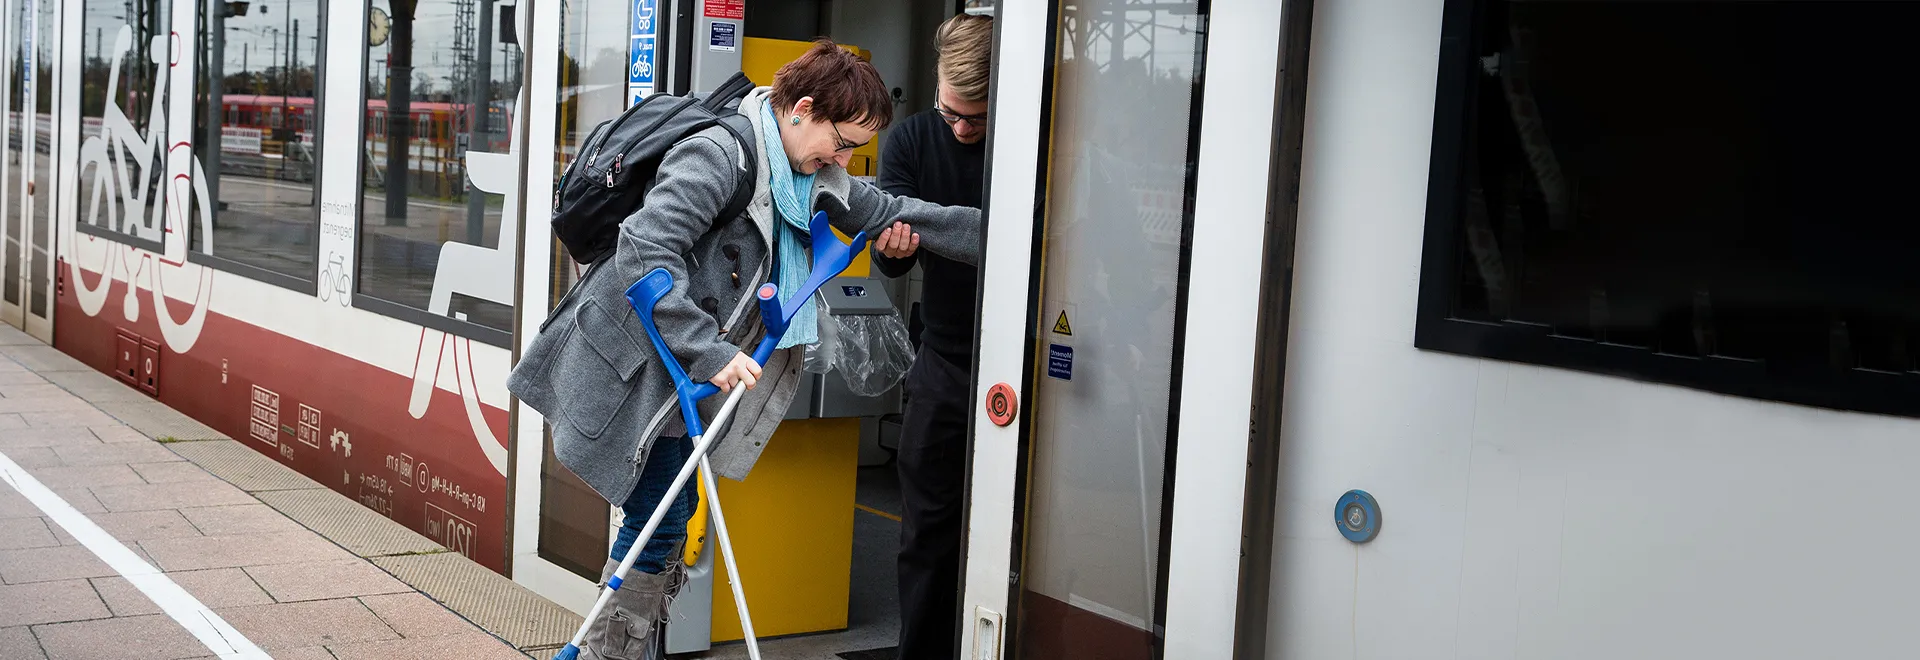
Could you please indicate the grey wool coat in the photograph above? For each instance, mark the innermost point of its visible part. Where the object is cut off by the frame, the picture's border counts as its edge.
(593, 373)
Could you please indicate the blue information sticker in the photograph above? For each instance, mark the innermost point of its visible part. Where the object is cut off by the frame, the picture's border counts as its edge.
(721, 37)
(643, 28)
(1060, 361)
(640, 67)
(642, 14)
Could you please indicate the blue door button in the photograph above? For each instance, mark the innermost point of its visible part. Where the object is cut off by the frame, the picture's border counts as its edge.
(1357, 516)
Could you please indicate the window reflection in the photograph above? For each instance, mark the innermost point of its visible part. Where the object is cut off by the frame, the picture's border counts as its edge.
(260, 166)
(593, 86)
(25, 248)
(1120, 176)
(441, 79)
(122, 93)
(40, 245)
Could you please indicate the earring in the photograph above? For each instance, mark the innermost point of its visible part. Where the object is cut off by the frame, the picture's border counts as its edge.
(796, 120)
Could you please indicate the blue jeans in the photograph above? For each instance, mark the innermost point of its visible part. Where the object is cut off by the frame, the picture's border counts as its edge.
(664, 461)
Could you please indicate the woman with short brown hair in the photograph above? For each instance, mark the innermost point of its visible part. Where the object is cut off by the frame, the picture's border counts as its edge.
(588, 371)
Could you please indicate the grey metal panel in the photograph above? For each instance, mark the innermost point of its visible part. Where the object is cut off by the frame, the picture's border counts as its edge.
(857, 295)
(712, 67)
(836, 400)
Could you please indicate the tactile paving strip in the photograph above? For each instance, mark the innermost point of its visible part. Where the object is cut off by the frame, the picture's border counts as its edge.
(11, 337)
(94, 386)
(155, 420)
(241, 466)
(42, 358)
(491, 601)
(359, 529)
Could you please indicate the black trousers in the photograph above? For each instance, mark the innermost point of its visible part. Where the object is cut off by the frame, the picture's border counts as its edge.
(933, 466)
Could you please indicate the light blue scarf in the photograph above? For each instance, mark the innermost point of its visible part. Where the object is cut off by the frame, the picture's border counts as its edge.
(793, 205)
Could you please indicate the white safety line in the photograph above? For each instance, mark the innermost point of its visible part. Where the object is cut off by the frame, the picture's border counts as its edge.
(212, 630)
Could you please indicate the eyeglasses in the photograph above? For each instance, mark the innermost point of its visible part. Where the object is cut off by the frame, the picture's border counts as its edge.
(952, 117)
(841, 143)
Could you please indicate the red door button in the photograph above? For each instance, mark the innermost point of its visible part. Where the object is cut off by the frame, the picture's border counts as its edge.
(1002, 404)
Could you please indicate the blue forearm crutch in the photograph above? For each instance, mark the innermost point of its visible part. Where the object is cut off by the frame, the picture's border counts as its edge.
(830, 257)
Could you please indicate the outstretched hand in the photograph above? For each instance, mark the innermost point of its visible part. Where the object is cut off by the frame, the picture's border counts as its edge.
(898, 241)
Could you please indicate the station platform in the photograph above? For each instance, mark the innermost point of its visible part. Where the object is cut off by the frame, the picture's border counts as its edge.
(136, 532)
(129, 530)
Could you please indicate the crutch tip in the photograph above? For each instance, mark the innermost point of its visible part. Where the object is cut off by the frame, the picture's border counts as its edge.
(571, 652)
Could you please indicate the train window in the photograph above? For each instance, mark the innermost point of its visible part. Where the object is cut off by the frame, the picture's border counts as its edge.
(1708, 194)
(120, 84)
(261, 178)
(593, 88)
(432, 76)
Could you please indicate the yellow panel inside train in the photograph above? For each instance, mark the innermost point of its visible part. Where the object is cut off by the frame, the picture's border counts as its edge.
(791, 522)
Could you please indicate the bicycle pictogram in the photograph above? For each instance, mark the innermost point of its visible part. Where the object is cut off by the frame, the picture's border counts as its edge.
(128, 167)
(336, 280)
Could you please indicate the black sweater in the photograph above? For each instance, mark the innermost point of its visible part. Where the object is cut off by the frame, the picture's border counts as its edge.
(923, 161)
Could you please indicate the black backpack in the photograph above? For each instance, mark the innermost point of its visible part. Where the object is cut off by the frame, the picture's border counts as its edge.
(617, 163)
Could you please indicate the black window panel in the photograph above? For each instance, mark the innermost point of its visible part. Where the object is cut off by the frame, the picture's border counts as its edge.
(1701, 193)
(262, 178)
(440, 82)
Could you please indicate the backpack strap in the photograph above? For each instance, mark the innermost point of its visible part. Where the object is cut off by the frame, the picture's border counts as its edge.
(735, 88)
(743, 183)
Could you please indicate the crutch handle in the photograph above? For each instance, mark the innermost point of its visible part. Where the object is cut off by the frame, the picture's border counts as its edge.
(830, 258)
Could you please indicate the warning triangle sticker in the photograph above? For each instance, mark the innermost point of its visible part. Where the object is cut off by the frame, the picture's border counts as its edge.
(1061, 327)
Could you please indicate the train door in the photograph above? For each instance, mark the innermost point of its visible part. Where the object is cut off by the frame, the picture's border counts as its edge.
(26, 224)
(1119, 321)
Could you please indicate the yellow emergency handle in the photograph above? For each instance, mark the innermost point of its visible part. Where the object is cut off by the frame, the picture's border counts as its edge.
(697, 524)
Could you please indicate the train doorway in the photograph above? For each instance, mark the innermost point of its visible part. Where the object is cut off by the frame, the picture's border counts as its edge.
(26, 225)
(816, 526)
(1119, 321)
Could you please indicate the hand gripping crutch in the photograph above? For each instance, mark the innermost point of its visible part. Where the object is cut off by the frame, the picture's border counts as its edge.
(830, 257)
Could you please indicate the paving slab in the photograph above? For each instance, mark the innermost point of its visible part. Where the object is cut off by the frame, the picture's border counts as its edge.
(25, 436)
(217, 587)
(177, 495)
(477, 646)
(320, 581)
(21, 377)
(239, 519)
(95, 386)
(41, 358)
(413, 614)
(18, 643)
(65, 418)
(176, 472)
(118, 434)
(311, 623)
(12, 391)
(56, 403)
(131, 527)
(152, 637)
(194, 553)
(61, 562)
(88, 475)
(49, 602)
(280, 558)
(18, 533)
(120, 453)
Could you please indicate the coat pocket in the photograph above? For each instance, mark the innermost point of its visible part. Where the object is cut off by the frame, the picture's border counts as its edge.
(598, 367)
